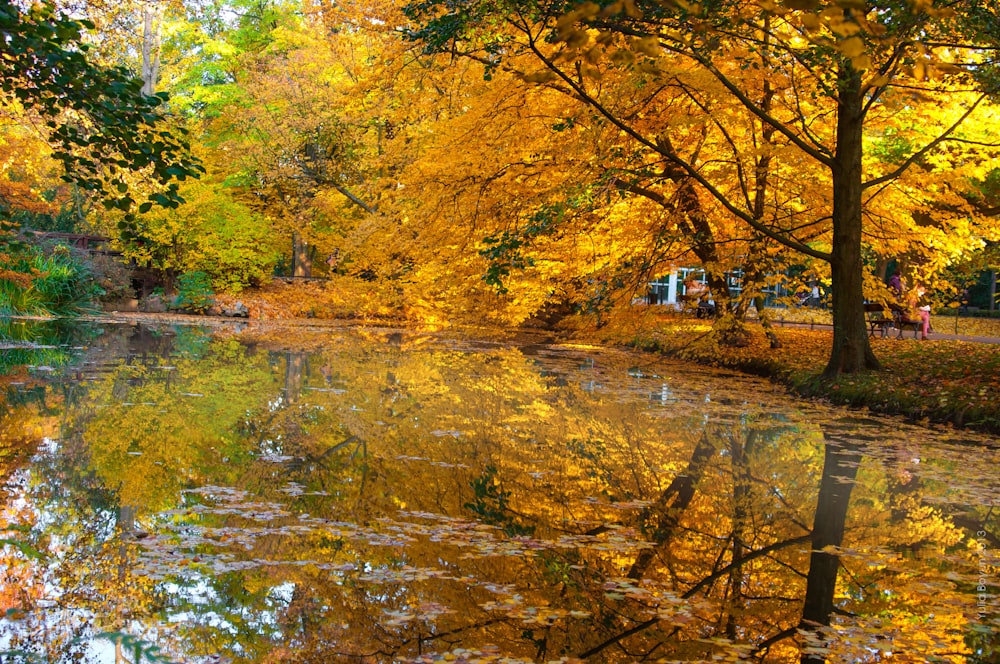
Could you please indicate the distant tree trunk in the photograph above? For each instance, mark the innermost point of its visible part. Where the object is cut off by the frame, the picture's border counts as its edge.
(757, 261)
(881, 268)
(993, 290)
(851, 351)
(152, 15)
(754, 276)
(301, 256)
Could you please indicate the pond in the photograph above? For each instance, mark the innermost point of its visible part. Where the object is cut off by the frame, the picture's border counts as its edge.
(188, 494)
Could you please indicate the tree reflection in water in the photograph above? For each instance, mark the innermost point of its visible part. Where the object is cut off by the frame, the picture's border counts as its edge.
(360, 496)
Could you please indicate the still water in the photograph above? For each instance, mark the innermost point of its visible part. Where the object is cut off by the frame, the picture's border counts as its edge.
(345, 495)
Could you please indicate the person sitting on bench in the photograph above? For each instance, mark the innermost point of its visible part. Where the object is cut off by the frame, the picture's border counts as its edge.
(696, 294)
(916, 312)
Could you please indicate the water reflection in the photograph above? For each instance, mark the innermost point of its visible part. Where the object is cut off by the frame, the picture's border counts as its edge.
(374, 496)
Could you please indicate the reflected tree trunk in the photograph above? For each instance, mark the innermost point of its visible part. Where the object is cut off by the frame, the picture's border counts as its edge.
(294, 364)
(666, 511)
(126, 531)
(119, 654)
(742, 481)
(840, 467)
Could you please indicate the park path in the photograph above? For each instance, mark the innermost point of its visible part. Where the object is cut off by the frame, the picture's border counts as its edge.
(937, 334)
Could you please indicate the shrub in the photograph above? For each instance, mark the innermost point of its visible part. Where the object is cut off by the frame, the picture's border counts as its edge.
(194, 292)
(38, 282)
(113, 276)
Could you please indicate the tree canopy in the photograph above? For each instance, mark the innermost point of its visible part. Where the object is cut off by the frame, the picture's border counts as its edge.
(763, 113)
(101, 125)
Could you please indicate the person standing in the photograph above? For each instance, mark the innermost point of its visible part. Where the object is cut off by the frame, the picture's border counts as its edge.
(896, 283)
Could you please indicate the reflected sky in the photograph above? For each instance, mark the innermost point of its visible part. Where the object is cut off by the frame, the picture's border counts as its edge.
(193, 495)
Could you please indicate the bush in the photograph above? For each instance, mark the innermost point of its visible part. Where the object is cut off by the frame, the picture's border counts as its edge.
(113, 276)
(194, 292)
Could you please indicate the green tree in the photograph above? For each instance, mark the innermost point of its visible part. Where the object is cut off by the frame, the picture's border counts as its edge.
(100, 124)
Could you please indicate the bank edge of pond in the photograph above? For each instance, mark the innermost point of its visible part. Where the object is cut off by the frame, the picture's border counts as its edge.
(893, 391)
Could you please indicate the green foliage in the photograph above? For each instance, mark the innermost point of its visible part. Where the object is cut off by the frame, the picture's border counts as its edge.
(211, 233)
(27, 549)
(234, 245)
(51, 283)
(48, 343)
(21, 656)
(194, 292)
(505, 250)
(63, 221)
(892, 148)
(140, 650)
(491, 505)
(116, 129)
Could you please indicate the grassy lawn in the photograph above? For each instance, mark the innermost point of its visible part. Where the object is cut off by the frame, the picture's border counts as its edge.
(940, 380)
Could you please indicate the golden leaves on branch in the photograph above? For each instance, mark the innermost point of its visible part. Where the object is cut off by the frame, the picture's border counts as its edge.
(577, 38)
(541, 76)
(849, 28)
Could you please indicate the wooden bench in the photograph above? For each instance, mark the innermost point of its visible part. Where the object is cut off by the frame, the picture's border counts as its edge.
(877, 320)
(901, 321)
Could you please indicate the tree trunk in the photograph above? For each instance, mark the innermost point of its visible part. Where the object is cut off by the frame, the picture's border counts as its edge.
(699, 231)
(695, 224)
(851, 352)
(993, 290)
(882, 268)
(152, 15)
(301, 256)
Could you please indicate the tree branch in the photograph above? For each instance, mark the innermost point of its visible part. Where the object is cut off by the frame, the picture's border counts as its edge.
(892, 175)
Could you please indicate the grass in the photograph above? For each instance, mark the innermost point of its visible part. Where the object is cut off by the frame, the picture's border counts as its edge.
(35, 282)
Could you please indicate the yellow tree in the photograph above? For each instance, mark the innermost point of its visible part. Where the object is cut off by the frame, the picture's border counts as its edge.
(830, 64)
(309, 135)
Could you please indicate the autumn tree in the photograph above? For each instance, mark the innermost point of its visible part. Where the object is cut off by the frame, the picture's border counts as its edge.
(831, 66)
(304, 134)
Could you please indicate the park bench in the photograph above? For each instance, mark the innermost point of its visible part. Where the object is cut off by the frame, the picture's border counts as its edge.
(877, 320)
(901, 321)
(701, 308)
(705, 310)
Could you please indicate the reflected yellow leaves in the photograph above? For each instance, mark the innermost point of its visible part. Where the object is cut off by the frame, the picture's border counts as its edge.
(418, 499)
